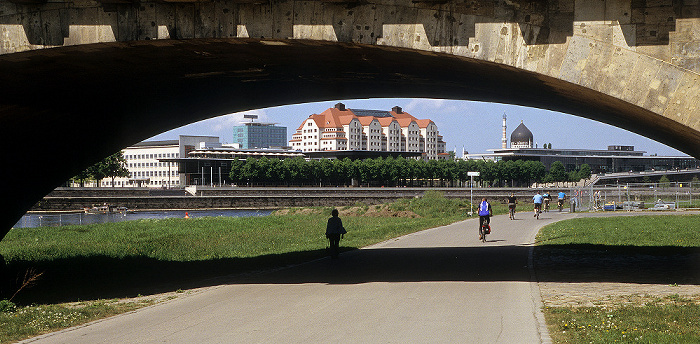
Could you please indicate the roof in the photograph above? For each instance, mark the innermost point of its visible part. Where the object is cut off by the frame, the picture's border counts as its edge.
(423, 123)
(405, 122)
(385, 121)
(521, 134)
(371, 113)
(337, 118)
(156, 143)
(366, 120)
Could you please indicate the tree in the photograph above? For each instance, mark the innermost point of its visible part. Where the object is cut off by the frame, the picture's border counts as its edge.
(114, 166)
(236, 173)
(664, 182)
(250, 172)
(584, 171)
(557, 172)
(82, 177)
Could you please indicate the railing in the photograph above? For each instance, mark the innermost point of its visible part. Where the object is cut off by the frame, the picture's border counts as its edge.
(638, 196)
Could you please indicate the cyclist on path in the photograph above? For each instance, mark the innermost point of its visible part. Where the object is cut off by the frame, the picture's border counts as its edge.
(537, 199)
(484, 214)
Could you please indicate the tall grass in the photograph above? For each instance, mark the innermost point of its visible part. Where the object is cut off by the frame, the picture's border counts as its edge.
(210, 238)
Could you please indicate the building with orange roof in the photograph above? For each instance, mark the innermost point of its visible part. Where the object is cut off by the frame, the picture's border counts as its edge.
(343, 129)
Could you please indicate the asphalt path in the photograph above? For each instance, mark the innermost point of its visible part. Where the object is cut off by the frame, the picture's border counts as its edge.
(437, 285)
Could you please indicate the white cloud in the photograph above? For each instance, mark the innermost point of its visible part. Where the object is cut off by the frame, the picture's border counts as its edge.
(419, 105)
(226, 122)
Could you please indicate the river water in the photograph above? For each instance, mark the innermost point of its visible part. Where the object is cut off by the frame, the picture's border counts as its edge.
(55, 220)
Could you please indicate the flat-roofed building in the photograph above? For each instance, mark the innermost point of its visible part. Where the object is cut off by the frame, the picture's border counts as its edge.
(145, 165)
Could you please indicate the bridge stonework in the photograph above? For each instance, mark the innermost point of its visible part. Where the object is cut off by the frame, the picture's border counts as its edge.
(631, 63)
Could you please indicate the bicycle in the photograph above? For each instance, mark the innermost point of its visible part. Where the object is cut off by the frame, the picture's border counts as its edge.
(483, 230)
(560, 204)
(511, 211)
(538, 207)
(546, 205)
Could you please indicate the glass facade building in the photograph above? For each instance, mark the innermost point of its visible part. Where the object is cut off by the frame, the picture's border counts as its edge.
(259, 135)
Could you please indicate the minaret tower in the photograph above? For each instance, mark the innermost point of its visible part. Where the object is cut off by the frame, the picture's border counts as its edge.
(504, 142)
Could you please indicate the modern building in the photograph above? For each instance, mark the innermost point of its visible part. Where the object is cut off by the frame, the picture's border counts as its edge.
(615, 159)
(144, 161)
(259, 135)
(211, 163)
(343, 129)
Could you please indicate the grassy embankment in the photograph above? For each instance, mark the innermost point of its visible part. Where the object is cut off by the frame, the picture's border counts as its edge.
(120, 260)
(660, 250)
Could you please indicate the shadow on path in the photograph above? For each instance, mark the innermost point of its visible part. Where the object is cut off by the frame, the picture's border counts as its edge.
(84, 278)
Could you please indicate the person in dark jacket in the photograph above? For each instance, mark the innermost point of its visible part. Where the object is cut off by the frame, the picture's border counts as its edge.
(334, 231)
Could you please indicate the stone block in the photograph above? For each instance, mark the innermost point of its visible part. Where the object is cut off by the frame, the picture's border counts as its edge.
(576, 58)
(685, 102)
(662, 87)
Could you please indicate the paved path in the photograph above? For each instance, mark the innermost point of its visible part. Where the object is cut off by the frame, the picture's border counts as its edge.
(439, 285)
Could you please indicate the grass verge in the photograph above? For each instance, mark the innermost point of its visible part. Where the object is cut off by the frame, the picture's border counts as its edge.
(639, 250)
(672, 319)
(18, 323)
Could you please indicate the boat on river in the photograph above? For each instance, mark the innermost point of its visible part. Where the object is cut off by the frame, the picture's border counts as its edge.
(106, 209)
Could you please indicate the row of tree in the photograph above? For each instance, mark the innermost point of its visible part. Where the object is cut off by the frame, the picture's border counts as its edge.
(389, 171)
(398, 172)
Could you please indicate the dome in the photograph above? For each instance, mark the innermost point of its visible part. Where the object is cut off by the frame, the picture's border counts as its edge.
(521, 137)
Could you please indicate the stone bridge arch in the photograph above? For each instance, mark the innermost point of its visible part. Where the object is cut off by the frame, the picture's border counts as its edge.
(119, 71)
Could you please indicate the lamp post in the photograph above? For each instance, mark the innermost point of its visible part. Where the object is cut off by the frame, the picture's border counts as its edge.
(471, 191)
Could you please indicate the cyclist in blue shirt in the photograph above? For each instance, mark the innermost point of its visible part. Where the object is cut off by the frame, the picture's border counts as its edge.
(537, 199)
(561, 197)
(484, 214)
(546, 199)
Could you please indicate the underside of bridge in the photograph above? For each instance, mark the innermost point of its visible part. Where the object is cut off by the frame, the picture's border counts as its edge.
(63, 109)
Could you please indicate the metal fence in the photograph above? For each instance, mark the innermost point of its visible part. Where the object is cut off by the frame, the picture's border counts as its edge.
(636, 196)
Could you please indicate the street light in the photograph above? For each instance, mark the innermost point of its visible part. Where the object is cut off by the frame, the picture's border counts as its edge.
(471, 191)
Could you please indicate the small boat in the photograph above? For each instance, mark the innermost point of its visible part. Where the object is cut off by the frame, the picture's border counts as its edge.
(106, 209)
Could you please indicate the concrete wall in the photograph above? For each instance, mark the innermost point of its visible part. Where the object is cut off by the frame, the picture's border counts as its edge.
(256, 197)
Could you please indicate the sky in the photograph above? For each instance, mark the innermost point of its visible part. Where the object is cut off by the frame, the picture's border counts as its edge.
(473, 126)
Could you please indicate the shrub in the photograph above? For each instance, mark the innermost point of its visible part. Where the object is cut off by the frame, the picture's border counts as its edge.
(6, 306)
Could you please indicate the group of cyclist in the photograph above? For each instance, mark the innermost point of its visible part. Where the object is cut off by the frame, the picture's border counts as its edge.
(538, 199)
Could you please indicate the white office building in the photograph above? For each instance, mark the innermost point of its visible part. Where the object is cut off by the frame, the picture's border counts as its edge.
(145, 169)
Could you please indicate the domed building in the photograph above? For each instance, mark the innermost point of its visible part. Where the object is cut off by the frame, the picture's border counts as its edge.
(521, 137)
(613, 160)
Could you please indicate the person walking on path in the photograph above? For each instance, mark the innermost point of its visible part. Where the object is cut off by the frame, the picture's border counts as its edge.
(334, 231)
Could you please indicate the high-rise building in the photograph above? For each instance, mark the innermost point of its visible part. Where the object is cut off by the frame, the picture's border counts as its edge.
(343, 129)
(259, 135)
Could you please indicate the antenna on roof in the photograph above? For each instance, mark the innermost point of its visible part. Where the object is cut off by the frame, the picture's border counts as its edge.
(251, 117)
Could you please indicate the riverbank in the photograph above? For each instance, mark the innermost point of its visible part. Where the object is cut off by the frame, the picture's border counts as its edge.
(72, 199)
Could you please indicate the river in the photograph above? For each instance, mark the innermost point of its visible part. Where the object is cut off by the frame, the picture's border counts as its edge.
(64, 219)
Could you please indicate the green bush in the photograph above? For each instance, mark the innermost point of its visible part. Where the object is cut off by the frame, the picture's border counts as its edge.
(6, 306)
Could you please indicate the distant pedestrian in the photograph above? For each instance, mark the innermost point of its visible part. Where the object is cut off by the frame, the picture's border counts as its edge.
(335, 231)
